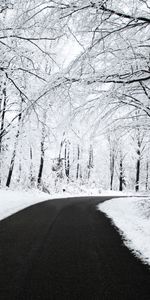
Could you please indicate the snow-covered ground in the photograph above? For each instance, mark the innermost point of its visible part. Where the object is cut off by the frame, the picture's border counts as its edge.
(13, 201)
(132, 217)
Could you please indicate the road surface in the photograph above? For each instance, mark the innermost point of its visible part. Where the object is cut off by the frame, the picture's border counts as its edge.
(66, 249)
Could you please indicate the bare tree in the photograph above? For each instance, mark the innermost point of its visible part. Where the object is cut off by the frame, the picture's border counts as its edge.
(90, 163)
(78, 162)
(42, 150)
(13, 157)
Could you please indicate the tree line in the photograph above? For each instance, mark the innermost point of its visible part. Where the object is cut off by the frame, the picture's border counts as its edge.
(74, 75)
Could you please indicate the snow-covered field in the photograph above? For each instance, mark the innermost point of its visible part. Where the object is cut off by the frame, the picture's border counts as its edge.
(132, 217)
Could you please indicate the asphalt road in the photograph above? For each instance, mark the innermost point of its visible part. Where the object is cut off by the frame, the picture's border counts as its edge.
(66, 249)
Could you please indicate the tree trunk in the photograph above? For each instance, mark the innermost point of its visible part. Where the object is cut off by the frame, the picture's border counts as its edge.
(90, 165)
(3, 110)
(20, 171)
(41, 165)
(137, 172)
(3, 101)
(121, 175)
(11, 167)
(67, 162)
(31, 167)
(112, 167)
(40, 173)
(39, 180)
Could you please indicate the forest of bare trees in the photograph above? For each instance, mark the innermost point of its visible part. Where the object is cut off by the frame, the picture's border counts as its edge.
(75, 94)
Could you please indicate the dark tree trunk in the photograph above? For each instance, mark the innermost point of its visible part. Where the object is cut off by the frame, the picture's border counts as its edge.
(14, 153)
(112, 167)
(40, 173)
(11, 168)
(67, 162)
(41, 165)
(3, 110)
(138, 164)
(3, 101)
(121, 175)
(60, 150)
(39, 180)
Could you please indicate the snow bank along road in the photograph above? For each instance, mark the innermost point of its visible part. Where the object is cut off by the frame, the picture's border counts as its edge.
(66, 249)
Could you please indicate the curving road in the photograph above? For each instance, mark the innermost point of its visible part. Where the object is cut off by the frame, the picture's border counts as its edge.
(66, 249)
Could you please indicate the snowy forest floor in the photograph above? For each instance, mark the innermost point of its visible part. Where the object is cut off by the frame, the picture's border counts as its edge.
(130, 215)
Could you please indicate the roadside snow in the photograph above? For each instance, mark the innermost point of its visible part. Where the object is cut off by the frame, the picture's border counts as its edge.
(12, 201)
(132, 217)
